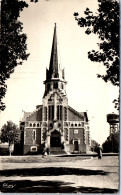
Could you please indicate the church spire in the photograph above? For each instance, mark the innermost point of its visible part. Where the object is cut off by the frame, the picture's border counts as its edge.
(53, 68)
(55, 78)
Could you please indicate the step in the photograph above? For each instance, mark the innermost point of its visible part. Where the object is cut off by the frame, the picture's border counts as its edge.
(57, 150)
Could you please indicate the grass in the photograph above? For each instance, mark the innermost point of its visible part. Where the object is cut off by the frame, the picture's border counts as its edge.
(40, 159)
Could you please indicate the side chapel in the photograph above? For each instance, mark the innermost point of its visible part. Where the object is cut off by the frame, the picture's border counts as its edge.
(55, 124)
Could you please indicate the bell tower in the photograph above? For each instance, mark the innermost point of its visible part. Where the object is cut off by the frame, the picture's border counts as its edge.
(55, 101)
(55, 76)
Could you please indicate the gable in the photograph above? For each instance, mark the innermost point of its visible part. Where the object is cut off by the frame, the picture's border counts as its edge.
(35, 116)
(73, 115)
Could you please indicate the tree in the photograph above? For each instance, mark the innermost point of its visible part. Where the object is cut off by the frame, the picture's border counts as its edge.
(10, 133)
(112, 143)
(13, 42)
(105, 24)
(94, 146)
(117, 104)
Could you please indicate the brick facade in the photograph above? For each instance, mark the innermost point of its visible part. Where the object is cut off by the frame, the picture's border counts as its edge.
(55, 124)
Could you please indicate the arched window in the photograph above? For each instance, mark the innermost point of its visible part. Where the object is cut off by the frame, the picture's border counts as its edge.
(51, 113)
(55, 85)
(65, 113)
(56, 75)
(37, 124)
(61, 85)
(51, 125)
(59, 112)
(30, 125)
(34, 134)
(34, 125)
(59, 124)
(45, 113)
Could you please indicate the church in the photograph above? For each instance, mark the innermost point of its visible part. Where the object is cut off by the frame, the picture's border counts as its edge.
(54, 124)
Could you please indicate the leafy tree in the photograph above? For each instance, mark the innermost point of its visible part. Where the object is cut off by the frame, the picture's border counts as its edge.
(10, 133)
(94, 146)
(117, 104)
(13, 42)
(112, 143)
(105, 24)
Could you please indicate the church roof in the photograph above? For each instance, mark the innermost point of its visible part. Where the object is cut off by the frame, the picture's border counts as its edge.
(29, 114)
(81, 114)
(26, 114)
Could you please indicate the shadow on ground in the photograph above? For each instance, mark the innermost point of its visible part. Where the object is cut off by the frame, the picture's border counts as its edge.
(51, 171)
(27, 186)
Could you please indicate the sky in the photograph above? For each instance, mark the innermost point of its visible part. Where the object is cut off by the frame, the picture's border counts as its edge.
(85, 91)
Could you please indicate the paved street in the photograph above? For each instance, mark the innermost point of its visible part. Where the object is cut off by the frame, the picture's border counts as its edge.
(59, 174)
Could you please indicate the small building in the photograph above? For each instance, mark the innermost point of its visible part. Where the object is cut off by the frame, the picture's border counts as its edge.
(54, 124)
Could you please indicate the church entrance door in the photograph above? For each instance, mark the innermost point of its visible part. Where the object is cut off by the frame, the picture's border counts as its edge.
(55, 140)
(76, 145)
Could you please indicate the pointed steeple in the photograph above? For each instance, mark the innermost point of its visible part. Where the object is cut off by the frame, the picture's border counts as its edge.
(55, 70)
(55, 78)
